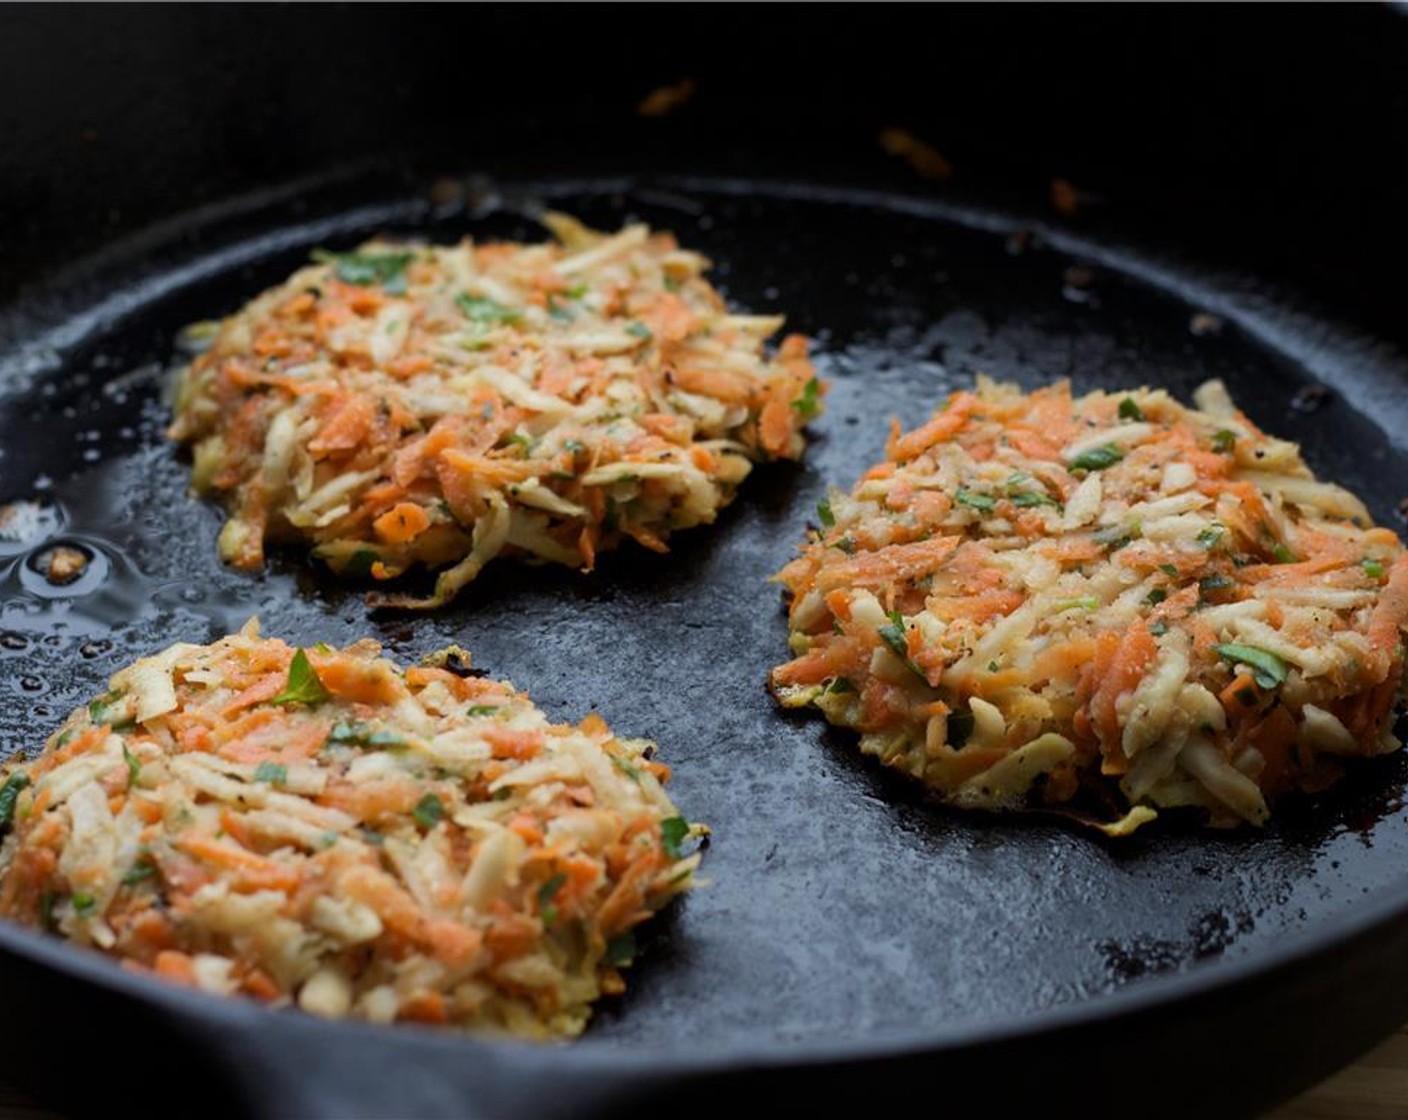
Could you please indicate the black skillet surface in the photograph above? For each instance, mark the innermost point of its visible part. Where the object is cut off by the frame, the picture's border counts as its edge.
(846, 919)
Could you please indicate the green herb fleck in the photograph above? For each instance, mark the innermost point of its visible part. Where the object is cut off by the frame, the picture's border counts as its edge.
(960, 728)
(303, 685)
(1373, 569)
(847, 544)
(824, 513)
(546, 893)
(429, 811)
(143, 869)
(1083, 603)
(1268, 670)
(1130, 410)
(1281, 554)
(1210, 536)
(840, 686)
(83, 903)
(134, 765)
(1224, 441)
(365, 269)
(9, 792)
(481, 709)
(359, 564)
(809, 403)
(480, 310)
(360, 735)
(621, 949)
(577, 291)
(893, 635)
(1028, 498)
(1156, 596)
(275, 773)
(1216, 582)
(672, 833)
(1169, 570)
(980, 502)
(101, 712)
(1098, 458)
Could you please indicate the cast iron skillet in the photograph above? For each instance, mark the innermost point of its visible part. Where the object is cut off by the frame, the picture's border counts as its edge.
(857, 944)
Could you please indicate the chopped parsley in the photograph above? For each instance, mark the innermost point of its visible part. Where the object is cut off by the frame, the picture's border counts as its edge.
(1224, 441)
(83, 903)
(1029, 498)
(477, 309)
(359, 564)
(546, 893)
(1216, 582)
(824, 513)
(9, 792)
(139, 871)
(303, 685)
(1098, 458)
(980, 502)
(1268, 670)
(104, 712)
(1281, 554)
(361, 735)
(621, 949)
(134, 766)
(429, 811)
(839, 686)
(275, 773)
(809, 403)
(1130, 410)
(1373, 569)
(673, 830)
(366, 269)
(1210, 536)
(960, 728)
(1169, 570)
(1156, 596)
(893, 635)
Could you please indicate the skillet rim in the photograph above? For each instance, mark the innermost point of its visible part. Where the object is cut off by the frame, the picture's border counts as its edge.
(1359, 367)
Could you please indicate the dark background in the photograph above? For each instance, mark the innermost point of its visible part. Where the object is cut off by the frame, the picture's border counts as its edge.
(1269, 139)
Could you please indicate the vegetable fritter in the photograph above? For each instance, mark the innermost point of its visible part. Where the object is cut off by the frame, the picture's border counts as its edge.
(1110, 601)
(411, 404)
(321, 828)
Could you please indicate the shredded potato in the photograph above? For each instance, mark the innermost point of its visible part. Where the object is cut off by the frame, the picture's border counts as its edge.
(323, 829)
(1112, 600)
(411, 404)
